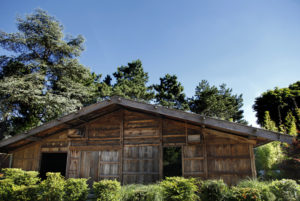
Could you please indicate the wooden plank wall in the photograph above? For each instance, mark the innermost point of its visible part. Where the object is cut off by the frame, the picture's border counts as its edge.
(127, 145)
(141, 148)
(228, 159)
(27, 158)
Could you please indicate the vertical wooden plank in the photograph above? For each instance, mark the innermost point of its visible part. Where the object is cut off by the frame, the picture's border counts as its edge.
(68, 159)
(121, 145)
(160, 130)
(252, 161)
(205, 156)
(182, 159)
(186, 133)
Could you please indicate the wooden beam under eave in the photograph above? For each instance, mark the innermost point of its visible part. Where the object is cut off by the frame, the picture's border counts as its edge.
(230, 136)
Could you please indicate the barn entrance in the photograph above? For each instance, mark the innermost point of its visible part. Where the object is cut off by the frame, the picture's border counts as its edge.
(53, 162)
(172, 161)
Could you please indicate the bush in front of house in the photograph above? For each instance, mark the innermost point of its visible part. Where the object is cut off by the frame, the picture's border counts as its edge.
(243, 194)
(107, 190)
(76, 190)
(21, 177)
(179, 189)
(16, 184)
(212, 190)
(285, 189)
(52, 189)
(262, 186)
(138, 192)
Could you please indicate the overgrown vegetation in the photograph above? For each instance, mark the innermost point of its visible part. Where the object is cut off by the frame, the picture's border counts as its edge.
(19, 185)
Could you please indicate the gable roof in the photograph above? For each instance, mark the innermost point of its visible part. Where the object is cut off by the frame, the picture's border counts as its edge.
(98, 109)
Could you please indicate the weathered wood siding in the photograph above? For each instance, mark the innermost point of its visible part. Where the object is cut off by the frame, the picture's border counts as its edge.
(127, 145)
(27, 158)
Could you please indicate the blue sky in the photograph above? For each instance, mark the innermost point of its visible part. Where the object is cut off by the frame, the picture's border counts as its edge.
(252, 46)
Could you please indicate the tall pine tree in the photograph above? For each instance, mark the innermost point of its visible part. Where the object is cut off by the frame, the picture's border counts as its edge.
(131, 82)
(42, 77)
(169, 92)
(211, 101)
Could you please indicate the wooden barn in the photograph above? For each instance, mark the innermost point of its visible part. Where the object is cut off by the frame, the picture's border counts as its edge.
(136, 142)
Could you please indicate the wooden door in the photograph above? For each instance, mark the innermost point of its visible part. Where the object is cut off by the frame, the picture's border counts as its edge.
(140, 164)
(98, 165)
(193, 161)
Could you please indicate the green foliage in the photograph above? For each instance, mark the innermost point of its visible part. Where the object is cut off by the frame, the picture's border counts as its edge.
(6, 189)
(280, 103)
(170, 93)
(243, 194)
(52, 189)
(290, 124)
(285, 189)
(131, 82)
(107, 190)
(136, 192)
(76, 190)
(212, 190)
(19, 185)
(43, 78)
(267, 158)
(268, 123)
(262, 187)
(214, 102)
(21, 177)
(179, 189)
(16, 184)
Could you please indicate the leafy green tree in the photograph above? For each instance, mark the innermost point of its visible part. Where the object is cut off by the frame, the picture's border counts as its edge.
(169, 92)
(280, 103)
(131, 82)
(217, 102)
(268, 156)
(42, 78)
(290, 124)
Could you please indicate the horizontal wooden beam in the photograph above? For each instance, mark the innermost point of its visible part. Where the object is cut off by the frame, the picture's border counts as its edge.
(140, 173)
(228, 135)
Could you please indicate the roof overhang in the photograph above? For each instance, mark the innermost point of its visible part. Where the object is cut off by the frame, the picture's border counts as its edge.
(93, 111)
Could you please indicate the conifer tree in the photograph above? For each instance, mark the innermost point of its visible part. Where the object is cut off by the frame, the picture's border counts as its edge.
(211, 101)
(290, 124)
(169, 92)
(131, 82)
(42, 78)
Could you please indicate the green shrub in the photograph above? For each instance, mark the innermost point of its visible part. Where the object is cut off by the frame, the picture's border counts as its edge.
(136, 192)
(52, 189)
(21, 177)
(179, 188)
(285, 189)
(76, 190)
(9, 191)
(107, 190)
(243, 194)
(26, 193)
(212, 190)
(262, 187)
(6, 189)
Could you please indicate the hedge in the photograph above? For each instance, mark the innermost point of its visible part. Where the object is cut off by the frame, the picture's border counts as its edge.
(19, 185)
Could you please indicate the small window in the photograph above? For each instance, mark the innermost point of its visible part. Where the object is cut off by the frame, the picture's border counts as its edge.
(194, 138)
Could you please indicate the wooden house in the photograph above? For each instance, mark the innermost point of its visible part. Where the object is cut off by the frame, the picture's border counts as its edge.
(132, 141)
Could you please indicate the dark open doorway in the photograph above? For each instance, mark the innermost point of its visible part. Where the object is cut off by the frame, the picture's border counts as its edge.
(172, 163)
(53, 162)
